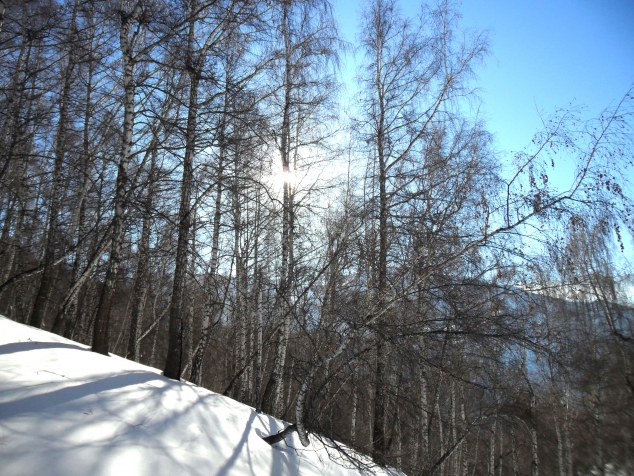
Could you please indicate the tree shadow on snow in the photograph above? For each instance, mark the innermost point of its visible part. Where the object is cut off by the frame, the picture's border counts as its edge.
(286, 459)
(37, 403)
(35, 345)
(226, 468)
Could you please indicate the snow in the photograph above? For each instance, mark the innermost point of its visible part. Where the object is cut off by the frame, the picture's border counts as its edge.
(67, 411)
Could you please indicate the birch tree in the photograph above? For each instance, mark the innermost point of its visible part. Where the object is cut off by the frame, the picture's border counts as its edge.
(301, 79)
(214, 22)
(128, 37)
(411, 74)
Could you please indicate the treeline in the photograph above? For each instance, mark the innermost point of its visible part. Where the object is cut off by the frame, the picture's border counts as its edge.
(180, 184)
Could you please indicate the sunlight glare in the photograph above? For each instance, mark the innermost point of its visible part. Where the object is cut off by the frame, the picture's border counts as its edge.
(289, 177)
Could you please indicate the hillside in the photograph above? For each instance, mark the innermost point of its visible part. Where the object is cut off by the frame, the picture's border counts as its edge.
(67, 411)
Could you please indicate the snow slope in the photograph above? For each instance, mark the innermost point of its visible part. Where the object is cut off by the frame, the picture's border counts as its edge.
(67, 411)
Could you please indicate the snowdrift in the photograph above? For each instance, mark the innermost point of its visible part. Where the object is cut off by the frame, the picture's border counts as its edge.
(67, 411)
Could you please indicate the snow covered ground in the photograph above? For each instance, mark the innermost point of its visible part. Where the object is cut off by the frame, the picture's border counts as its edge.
(67, 411)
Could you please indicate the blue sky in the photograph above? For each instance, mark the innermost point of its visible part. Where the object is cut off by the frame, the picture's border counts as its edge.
(544, 55)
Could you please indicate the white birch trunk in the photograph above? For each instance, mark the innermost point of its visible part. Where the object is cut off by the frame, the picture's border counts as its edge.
(560, 446)
(441, 439)
(567, 441)
(102, 320)
(535, 457)
(454, 430)
(353, 416)
(258, 358)
(501, 450)
(464, 452)
(424, 421)
(516, 468)
(213, 307)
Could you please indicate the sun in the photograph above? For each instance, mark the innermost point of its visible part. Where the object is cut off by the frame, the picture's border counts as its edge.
(280, 177)
(289, 177)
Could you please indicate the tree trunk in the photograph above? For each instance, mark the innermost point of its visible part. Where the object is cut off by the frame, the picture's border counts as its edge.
(47, 280)
(259, 350)
(501, 451)
(463, 417)
(379, 446)
(173, 364)
(399, 439)
(10, 138)
(560, 445)
(277, 437)
(102, 320)
(492, 449)
(535, 457)
(14, 105)
(516, 468)
(2, 10)
(424, 421)
(441, 439)
(380, 424)
(141, 283)
(188, 328)
(14, 241)
(71, 298)
(212, 308)
(353, 411)
(240, 316)
(454, 429)
(567, 441)
(68, 314)
(272, 398)
(598, 437)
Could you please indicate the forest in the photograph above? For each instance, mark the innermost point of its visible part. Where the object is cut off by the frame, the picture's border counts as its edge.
(187, 184)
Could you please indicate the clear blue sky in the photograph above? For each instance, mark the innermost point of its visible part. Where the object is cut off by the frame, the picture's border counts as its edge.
(544, 55)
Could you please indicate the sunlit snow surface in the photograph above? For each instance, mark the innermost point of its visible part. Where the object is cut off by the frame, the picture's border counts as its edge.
(67, 411)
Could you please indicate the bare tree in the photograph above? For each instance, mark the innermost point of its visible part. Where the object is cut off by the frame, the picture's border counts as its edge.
(127, 42)
(302, 78)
